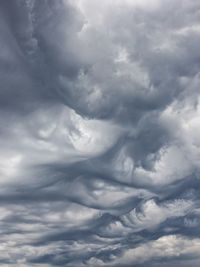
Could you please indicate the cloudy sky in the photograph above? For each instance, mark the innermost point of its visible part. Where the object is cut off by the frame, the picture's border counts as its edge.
(100, 133)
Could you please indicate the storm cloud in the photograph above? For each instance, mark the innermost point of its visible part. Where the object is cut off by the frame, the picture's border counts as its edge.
(100, 133)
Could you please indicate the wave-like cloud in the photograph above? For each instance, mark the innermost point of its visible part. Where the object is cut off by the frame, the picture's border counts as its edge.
(100, 133)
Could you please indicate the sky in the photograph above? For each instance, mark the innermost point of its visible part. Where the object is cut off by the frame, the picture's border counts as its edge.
(100, 133)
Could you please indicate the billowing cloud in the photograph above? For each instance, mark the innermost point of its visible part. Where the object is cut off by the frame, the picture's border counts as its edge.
(100, 133)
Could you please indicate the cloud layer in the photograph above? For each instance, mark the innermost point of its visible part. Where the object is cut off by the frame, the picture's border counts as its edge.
(100, 133)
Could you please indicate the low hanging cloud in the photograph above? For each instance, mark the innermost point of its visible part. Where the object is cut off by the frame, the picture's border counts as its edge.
(100, 133)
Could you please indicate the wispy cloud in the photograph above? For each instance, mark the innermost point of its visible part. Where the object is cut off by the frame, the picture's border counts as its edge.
(100, 133)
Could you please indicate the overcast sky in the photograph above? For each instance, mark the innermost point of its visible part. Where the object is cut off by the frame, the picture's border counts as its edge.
(100, 133)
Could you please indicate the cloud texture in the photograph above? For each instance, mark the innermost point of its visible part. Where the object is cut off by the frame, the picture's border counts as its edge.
(100, 133)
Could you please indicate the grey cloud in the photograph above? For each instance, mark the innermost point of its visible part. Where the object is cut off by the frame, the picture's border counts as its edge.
(99, 116)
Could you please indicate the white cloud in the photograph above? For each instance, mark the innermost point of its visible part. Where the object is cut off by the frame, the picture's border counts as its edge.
(166, 246)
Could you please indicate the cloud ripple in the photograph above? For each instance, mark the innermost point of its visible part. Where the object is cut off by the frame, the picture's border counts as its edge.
(100, 133)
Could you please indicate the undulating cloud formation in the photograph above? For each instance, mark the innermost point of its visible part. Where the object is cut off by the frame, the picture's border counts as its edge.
(100, 133)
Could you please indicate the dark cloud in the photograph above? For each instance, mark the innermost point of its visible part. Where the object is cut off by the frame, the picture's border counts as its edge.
(99, 115)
